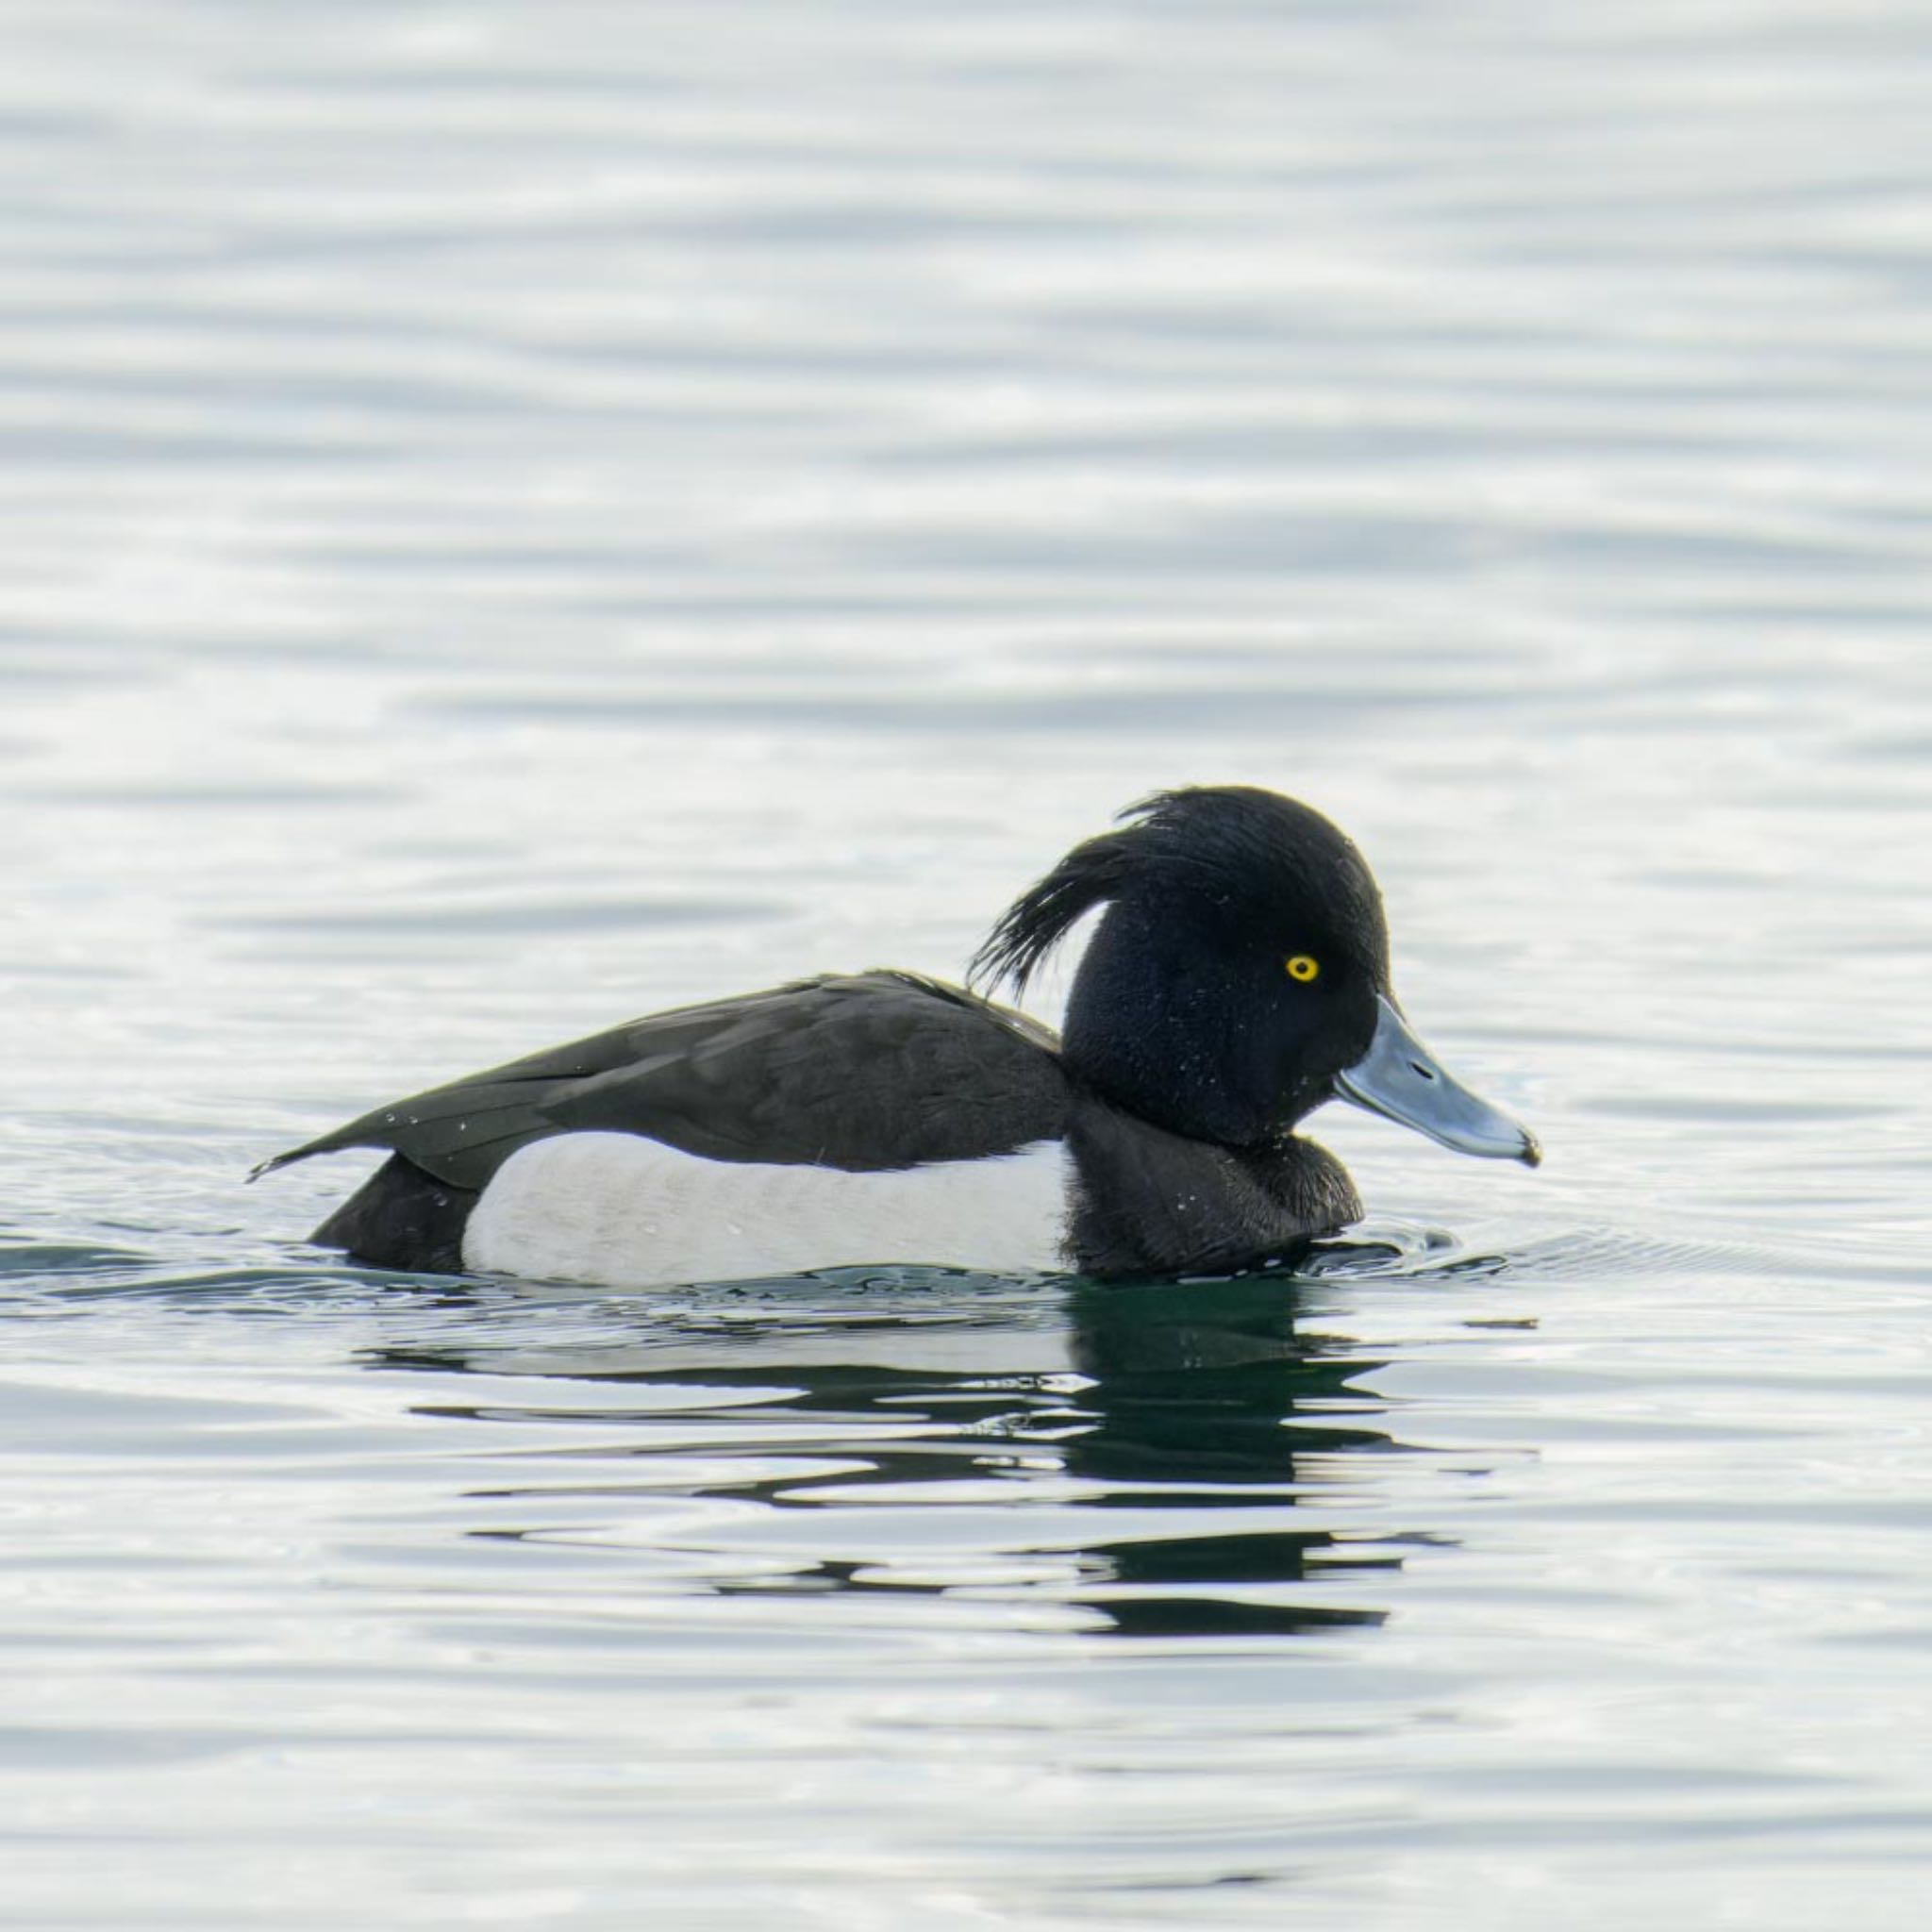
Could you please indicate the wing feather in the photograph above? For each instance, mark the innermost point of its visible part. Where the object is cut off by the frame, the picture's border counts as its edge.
(866, 1072)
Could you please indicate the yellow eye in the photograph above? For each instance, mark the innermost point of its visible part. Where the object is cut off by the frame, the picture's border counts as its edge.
(1304, 968)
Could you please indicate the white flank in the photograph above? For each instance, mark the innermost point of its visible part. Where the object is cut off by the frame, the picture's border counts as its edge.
(629, 1212)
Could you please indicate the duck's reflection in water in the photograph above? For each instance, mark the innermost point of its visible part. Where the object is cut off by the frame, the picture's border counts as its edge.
(1149, 1456)
(1208, 1400)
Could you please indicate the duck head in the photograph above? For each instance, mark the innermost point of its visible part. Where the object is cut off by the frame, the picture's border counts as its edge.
(1238, 978)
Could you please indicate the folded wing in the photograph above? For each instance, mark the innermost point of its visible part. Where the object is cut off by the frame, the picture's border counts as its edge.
(864, 1073)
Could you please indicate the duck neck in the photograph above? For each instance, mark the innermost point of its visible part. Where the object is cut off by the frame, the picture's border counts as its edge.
(1160, 1033)
(1146, 1202)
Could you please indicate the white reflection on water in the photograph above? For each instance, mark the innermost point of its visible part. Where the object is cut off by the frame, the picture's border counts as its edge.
(515, 517)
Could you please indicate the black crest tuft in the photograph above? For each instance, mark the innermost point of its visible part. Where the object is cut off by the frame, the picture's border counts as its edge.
(1040, 917)
(1225, 845)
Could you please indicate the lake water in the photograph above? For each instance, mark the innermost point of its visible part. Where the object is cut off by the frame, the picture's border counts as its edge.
(515, 517)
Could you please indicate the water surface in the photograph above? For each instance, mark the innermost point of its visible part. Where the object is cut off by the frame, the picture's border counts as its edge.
(515, 517)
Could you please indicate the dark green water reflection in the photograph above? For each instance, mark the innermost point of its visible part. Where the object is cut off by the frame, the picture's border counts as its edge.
(1189, 1438)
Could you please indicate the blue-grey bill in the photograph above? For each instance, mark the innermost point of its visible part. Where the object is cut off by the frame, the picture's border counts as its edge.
(1400, 1078)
